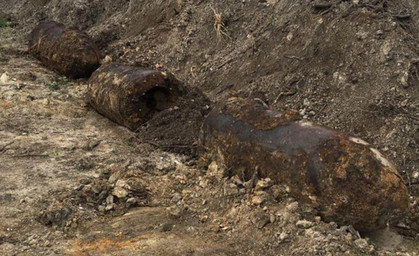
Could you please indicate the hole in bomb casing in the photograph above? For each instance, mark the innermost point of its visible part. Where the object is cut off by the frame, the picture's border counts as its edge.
(155, 100)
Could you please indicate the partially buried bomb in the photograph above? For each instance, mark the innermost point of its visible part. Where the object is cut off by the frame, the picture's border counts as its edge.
(344, 178)
(65, 50)
(131, 95)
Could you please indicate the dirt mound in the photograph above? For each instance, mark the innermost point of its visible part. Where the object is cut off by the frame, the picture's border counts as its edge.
(177, 129)
(350, 65)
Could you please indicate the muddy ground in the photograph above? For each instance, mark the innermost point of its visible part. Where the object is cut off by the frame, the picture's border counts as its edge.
(74, 183)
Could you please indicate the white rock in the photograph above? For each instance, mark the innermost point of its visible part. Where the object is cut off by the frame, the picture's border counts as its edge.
(263, 184)
(260, 197)
(120, 192)
(304, 224)
(292, 207)
(361, 243)
(283, 236)
(4, 79)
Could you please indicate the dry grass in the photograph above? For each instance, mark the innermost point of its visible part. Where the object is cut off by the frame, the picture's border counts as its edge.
(219, 26)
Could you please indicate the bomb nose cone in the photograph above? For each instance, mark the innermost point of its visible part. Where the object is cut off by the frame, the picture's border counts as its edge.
(344, 178)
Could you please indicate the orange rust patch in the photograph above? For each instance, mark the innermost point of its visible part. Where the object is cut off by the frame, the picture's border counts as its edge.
(102, 245)
(5, 104)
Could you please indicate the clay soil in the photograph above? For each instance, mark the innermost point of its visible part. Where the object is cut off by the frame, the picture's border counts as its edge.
(74, 183)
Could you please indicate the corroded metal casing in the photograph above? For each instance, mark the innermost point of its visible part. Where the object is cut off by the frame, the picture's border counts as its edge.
(67, 51)
(130, 95)
(347, 180)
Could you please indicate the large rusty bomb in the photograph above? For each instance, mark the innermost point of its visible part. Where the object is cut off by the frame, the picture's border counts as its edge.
(67, 51)
(344, 178)
(130, 95)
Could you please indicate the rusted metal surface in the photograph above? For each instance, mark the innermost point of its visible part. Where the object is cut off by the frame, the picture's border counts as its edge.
(344, 178)
(67, 51)
(130, 95)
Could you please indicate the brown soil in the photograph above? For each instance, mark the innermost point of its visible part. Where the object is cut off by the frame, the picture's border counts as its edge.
(75, 183)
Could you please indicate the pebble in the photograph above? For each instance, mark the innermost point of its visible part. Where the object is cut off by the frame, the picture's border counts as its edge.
(230, 189)
(260, 219)
(101, 208)
(4, 78)
(306, 102)
(292, 207)
(175, 211)
(304, 224)
(204, 218)
(283, 236)
(260, 198)
(110, 200)
(109, 207)
(263, 184)
(131, 201)
(311, 233)
(361, 243)
(120, 192)
(176, 197)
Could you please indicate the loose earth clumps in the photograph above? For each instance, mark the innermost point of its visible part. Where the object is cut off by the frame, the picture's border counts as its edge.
(347, 180)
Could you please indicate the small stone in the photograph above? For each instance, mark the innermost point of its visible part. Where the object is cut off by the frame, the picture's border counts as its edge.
(167, 227)
(85, 181)
(272, 218)
(317, 219)
(311, 233)
(260, 198)
(175, 211)
(120, 192)
(348, 237)
(236, 180)
(361, 243)
(113, 178)
(122, 183)
(204, 218)
(131, 202)
(292, 207)
(260, 219)
(263, 184)
(110, 200)
(283, 236)
(304, 224)
(361, 35)
(176, 197)
(215, 171)
(203, 183)
(230, 189)
(109, 207)
(277, 192)
(333, 225)
(107, 59)
(4, 78)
